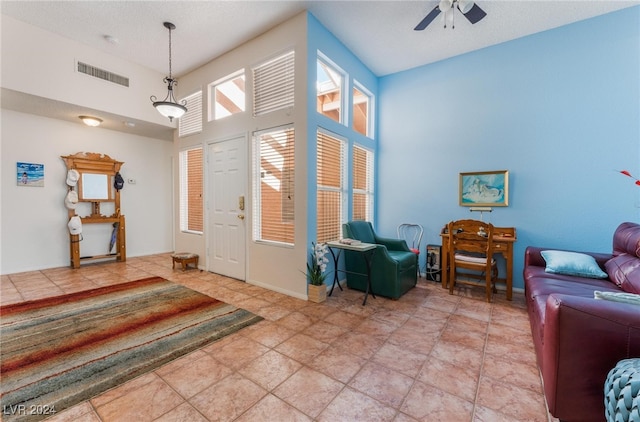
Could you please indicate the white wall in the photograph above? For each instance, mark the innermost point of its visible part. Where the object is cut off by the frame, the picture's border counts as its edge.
(275, 267)
(33, 220)
(41, 63)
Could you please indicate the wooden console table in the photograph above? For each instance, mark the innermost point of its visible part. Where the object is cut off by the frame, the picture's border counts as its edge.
(503, 240)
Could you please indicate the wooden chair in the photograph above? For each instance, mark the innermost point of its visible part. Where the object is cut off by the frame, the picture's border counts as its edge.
(471, 255)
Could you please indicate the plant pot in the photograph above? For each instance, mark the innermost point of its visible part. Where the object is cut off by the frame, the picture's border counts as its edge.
(317, 294)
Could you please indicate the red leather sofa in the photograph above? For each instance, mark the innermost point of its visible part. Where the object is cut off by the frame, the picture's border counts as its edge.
(578, 339)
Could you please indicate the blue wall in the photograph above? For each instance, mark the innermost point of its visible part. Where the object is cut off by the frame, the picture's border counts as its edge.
(560, 110)
(320, 39)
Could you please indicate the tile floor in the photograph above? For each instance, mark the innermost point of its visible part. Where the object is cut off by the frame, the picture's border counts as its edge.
(428, 356)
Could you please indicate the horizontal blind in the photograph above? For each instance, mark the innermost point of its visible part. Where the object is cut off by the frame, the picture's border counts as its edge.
(273, 84)
(191, 183)
(191, 121)
(330, 186)
(274, 188)
(362, 184)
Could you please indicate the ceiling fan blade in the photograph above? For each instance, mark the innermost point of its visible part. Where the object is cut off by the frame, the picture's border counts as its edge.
(476, 14)
(427, 19)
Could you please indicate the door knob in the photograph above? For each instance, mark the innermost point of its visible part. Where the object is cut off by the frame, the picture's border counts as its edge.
(241, 216)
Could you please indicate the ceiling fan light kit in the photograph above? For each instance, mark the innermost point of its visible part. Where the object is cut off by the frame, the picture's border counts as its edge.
(169, 107)
(468, 8)
(445, 5)
(465, 6)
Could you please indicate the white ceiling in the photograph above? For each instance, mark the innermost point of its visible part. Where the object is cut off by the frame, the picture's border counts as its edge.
(380, 33)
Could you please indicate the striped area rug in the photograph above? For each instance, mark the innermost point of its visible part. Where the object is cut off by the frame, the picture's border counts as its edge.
(60, 351)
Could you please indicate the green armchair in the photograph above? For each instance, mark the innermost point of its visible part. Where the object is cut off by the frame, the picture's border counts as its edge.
(393, 266)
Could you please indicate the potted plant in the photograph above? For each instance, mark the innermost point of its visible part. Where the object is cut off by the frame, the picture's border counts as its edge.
(317, 291)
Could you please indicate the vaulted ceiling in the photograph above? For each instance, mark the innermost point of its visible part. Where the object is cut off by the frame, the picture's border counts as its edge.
(380, 33)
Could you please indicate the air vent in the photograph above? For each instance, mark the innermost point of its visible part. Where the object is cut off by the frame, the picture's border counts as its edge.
(102, 74)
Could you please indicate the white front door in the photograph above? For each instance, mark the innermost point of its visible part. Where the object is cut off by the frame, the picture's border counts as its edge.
(227, 204)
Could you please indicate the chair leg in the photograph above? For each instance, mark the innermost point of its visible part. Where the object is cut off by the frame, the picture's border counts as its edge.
(494, 277)
(488, 283)
(491, 278)
(452, 279)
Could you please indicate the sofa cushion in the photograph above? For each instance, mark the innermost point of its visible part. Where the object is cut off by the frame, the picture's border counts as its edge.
(626, 239)
(544, 286)
(624, 270)
(572, 263)
(597, 283)
(404, 259)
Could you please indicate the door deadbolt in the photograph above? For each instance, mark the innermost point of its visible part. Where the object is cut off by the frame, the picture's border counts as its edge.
(241, 203)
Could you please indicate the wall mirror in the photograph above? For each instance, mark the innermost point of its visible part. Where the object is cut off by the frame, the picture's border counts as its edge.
(94, 187)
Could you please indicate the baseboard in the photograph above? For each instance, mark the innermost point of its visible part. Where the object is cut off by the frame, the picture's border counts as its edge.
(278, 289)
(501, 287)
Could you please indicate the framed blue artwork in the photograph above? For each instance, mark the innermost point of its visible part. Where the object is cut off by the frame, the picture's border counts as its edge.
(485, 188)
(30, 174)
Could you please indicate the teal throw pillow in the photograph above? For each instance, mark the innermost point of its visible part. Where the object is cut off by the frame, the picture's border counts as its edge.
(572, 263)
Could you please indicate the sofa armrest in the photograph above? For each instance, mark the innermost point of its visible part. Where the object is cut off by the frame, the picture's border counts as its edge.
(533, 257)
(583, 339)
(393, 244)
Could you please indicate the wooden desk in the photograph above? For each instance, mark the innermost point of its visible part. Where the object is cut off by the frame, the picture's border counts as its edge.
(503, 240)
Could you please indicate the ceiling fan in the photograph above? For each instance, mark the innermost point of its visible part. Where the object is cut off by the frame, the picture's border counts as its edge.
(468, 8)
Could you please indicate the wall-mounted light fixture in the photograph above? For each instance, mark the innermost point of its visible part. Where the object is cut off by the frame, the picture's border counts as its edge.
(481, 210)
(90, 120)
(169, 107)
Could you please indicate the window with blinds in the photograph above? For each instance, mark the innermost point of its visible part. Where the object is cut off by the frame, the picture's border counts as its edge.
(273, 185)
(227, 96)
(191, 183)
(330, 186)
(273, 84)
(362, 184)
(191, 121)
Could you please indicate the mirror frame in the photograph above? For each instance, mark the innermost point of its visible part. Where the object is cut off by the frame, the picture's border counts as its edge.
(91, 163)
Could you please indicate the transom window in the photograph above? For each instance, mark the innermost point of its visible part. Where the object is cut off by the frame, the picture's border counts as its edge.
(191, 121)
(273, 84)
(362, 115)
(330, 85)
(227, 95)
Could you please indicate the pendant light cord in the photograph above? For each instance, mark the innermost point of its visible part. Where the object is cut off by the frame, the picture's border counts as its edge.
(170, 53)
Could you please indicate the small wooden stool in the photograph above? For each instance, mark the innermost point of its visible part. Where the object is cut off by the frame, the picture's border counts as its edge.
(184, 258)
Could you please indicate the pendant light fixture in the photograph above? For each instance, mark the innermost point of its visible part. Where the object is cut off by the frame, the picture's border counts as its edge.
(169, 107)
